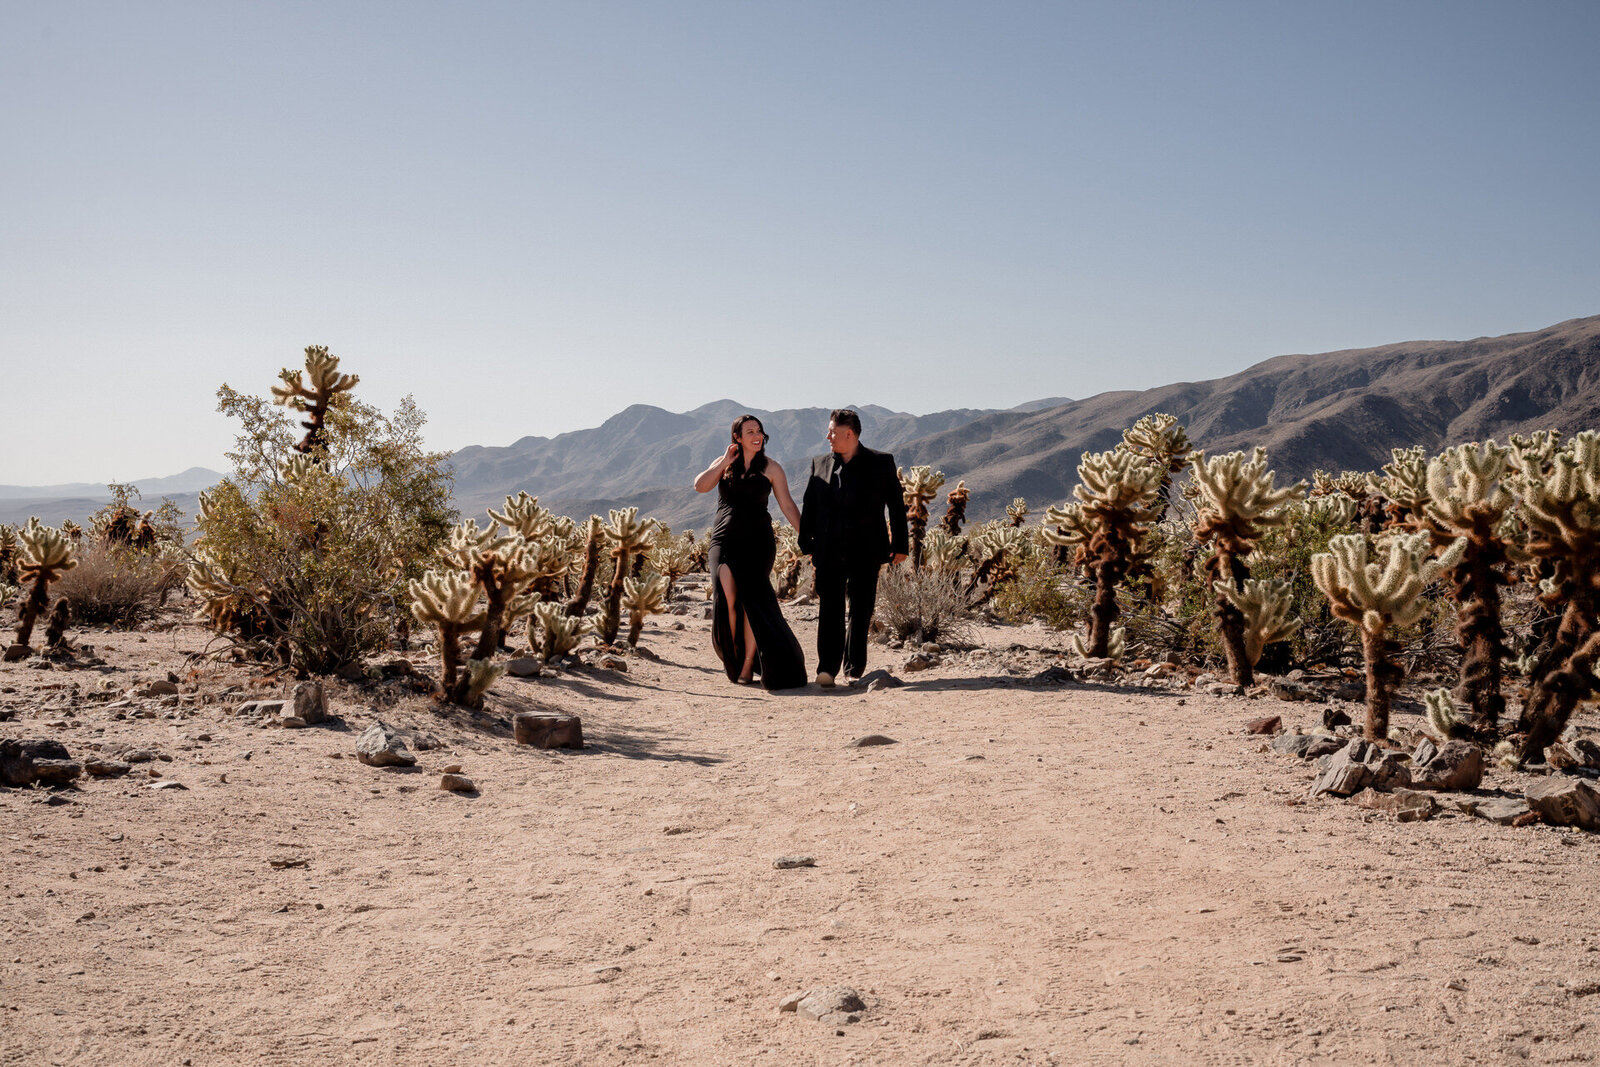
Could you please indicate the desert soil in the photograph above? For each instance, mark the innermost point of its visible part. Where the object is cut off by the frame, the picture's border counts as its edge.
(1035, 872)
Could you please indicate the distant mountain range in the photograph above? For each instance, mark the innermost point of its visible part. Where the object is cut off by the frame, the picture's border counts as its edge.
(1335, 410)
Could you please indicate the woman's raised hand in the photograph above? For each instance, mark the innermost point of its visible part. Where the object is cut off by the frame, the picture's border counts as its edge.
(731, 454)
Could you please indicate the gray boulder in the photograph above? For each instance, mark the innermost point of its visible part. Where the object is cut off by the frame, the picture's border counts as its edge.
(381, 746)
(1456, 766)
(1562, 801)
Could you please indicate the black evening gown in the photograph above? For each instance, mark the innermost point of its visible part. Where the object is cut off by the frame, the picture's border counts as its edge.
(742, 541)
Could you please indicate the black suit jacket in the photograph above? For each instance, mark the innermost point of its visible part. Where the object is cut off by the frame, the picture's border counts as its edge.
(842, 517)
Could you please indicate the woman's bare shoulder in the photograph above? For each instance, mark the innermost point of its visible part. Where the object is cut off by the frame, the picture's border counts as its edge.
(774, 471)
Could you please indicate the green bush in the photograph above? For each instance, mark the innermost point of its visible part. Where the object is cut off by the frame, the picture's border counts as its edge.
(306, 556)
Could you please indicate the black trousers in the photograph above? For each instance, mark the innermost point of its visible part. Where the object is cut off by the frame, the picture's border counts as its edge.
(840, 583)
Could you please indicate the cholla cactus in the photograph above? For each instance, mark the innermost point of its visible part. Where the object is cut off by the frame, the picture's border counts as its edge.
(557, 631)
(480, 675)
(1162, 440)
(1404, 487)
(1375, 596)
(55, 632)
(672, 555)
(996, 550)
(1017, 510)
(1335, 509)
(448, 600)
(7, 591)
(642, 597)
(45, 555)
(1116, 646)
(787, 562)
(920, 485)
(524, 514)
(944, 552)
(593, 532)
(1357, 485)
(1264, 606)
(73, 531)
(1467, 498)
(955, 509)
(1117, 499)
(1561, 504)
(1442, 717)
(628, 537)
(9, 551)
(502, 568)
(326, 383)
(1238, 503)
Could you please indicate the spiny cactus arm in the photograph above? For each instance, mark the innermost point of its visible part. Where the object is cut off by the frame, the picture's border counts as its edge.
(1159, 437)
(524, 515)
(1067, 524)
(467, 544)
(1442, 716)
(1240, 487)
(45, 551)
(445, 599)
(1118, 479)
(480, 675)
(1404, 481)
(1017, 511)
(644, 594)
(326, 380)
(922, 482)
(1335, 508)
(1466, 485)
(1265, 605)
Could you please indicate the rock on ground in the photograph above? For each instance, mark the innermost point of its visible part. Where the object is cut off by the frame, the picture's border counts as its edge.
(381, 746)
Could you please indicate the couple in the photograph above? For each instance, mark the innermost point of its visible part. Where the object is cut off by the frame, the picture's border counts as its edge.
(843, 528)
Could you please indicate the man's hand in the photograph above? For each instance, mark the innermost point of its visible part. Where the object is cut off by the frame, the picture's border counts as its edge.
(898, 557)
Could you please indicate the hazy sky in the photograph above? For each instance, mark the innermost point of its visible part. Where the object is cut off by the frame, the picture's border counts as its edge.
(530, 215)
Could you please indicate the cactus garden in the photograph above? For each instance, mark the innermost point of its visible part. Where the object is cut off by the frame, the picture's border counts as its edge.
(1225, 710)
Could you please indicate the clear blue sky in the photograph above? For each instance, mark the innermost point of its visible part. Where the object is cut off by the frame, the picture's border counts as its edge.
(530, 215)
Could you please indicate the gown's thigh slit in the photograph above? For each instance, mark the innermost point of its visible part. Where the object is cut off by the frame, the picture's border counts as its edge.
(728, 625)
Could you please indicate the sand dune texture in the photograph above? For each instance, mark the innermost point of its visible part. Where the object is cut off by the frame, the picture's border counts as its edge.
(1034, 872)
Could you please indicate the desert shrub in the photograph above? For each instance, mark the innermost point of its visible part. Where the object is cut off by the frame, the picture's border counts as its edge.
(306, 555)
(114, 585)
(921, 605)
(1285, 553)
(1040, 588)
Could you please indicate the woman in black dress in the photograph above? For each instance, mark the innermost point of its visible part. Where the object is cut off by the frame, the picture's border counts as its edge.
(748, 630)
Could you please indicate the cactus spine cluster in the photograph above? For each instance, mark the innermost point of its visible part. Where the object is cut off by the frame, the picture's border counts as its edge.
(919, 486)
(1375, 596)
(1466, 498)
(322, 369)
(642, 597)
(955, 509)
(1160, 439)
(1109, 524)
(553, 632)
(45, 555)
(629, 537)
(1561, 505)
(1238, 503)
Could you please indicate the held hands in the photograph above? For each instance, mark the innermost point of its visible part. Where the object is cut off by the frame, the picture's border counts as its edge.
(897, 558)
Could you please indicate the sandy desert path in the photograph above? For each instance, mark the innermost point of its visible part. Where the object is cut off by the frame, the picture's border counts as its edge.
(1037, 873)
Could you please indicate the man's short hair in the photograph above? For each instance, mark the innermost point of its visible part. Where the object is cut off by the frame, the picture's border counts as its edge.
(846, 417)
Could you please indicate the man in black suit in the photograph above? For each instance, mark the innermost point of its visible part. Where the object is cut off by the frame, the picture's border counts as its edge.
(843, 530)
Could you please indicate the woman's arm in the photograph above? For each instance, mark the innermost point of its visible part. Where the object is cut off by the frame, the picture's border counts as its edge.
(780, 489)
(707, 479)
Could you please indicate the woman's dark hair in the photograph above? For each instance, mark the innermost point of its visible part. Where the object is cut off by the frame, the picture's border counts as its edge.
(759, 462)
